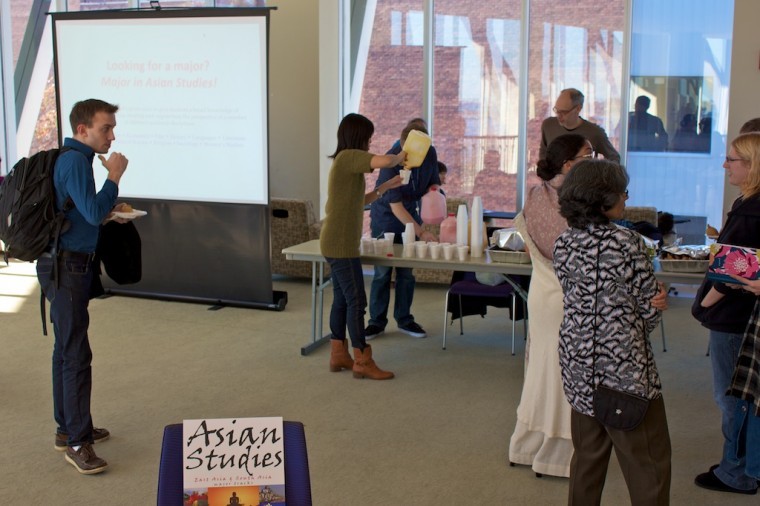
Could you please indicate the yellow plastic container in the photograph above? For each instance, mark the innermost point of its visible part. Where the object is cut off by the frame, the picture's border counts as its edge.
(416, 146)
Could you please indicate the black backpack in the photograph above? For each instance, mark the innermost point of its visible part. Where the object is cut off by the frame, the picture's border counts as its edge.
(29, 220)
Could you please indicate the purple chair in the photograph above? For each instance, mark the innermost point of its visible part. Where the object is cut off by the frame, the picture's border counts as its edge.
(503, 295)
(297, 481)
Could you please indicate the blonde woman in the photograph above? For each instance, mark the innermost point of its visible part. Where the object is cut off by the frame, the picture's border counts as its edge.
(725, 309)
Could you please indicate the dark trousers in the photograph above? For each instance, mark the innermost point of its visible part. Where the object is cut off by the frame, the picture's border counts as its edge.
(643, 453)
(349, 300)
(72, 357)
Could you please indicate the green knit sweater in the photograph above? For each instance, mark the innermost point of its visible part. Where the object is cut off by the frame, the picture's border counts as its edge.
(342, 228)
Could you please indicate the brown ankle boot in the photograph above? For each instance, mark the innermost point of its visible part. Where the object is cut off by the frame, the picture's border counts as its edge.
(339, 357)
(365, 367)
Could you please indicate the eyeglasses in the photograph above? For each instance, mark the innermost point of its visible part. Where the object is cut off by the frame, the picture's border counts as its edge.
(626, 193)
(583, 157)
(560, 112)
(729, 159)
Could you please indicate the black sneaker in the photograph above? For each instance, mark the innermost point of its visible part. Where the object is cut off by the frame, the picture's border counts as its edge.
(98, 435)
(709, 481)
(413, 329)
(372, 331)
(85, 460)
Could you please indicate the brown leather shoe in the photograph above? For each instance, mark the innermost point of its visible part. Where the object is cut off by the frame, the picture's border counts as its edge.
(365, 367)
(339, 357)
(98, 435)
(85, 460)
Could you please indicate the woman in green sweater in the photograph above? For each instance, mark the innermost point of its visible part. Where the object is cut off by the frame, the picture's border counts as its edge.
(340, 238)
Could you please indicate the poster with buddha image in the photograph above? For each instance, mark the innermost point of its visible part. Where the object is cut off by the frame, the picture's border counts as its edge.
(233, 462)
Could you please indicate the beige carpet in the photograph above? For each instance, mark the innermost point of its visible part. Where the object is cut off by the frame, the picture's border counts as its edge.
(435, 435)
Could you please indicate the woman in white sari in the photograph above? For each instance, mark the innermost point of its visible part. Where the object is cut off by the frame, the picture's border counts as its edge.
(542, 437)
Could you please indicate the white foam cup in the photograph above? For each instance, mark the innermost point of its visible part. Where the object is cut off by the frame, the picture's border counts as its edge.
(435, 250)
(366, 247)
(462, 252)
(405, 175)
(449, 251)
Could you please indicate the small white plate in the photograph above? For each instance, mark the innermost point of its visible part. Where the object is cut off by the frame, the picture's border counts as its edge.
(135, 213)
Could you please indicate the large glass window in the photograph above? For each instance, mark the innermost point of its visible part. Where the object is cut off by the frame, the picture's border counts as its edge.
(680, 69)
(578, 45)
(386, 73)
(476, 91)
(476, 98)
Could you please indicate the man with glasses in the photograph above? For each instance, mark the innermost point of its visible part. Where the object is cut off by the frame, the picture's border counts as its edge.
(568, 120)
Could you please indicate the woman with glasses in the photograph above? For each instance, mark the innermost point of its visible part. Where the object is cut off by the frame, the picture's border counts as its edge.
(542, 432)
(612, 301)
(725, 309)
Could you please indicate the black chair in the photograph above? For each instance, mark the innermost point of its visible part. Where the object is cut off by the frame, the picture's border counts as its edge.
(473, 297)
(297, 481)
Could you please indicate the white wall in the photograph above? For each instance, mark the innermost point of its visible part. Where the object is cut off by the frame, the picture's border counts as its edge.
(744, 100)
(294, 103)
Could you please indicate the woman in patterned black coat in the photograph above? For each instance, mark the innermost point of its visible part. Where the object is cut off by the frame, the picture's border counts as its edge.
(612, 302)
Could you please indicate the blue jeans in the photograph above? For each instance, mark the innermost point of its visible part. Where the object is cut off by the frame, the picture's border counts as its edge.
(72, 357)
(746, 436)
(380, 290)
(724, 350)
(380, 296)
(349, 300)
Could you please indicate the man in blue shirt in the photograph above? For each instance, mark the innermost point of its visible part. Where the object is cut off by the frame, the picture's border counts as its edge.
(93, 122)
(390, 213)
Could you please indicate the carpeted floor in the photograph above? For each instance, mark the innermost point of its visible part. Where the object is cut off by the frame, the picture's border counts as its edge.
(435, 435)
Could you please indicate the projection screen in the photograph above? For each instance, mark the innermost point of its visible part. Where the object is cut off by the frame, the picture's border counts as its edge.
(191, 85)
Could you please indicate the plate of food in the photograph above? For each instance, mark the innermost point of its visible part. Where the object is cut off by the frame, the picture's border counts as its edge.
(678, 258)
(126, 212)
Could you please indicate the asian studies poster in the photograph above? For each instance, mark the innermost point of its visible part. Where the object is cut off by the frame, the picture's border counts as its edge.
(233, 462)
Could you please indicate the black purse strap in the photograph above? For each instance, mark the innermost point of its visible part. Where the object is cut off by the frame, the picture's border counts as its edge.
(596, 327)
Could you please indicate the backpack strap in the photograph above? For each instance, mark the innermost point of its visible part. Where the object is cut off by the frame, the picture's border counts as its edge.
(60, 222)
(42, 312)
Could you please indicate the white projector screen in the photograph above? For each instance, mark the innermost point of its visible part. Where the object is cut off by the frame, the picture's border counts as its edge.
(192, 97)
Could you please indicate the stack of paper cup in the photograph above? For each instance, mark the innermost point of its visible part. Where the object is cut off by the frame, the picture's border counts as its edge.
(408, 237)
(462, 225)
(476, 228)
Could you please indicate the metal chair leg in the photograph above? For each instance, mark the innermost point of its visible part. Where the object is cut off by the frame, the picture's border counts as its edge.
(461, 318)
(514, 312)
(445, 318)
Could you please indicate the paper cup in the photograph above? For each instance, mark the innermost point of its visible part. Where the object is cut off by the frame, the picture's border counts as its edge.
(435, 250)
(421, 248)
(449, 251)
(390, 236)
(408, 250)
(405, 175)
(462, 253)
(367, 248)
